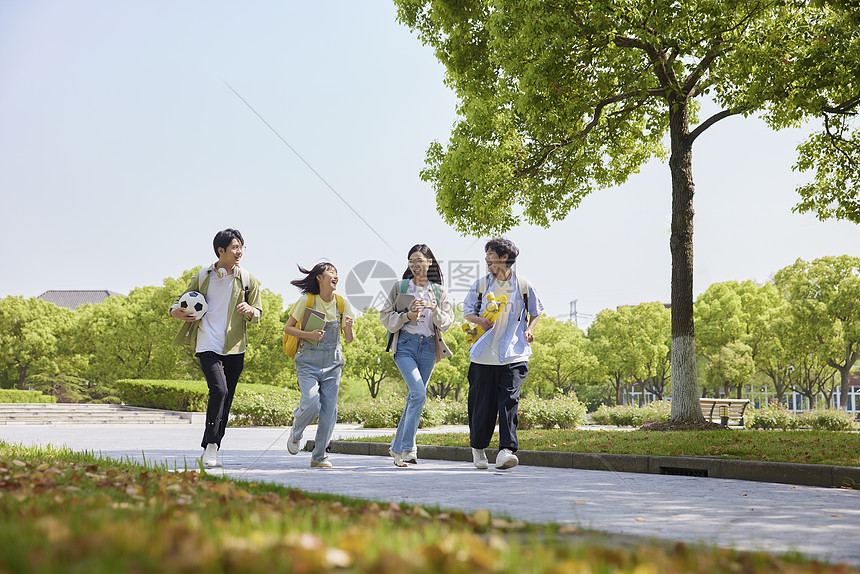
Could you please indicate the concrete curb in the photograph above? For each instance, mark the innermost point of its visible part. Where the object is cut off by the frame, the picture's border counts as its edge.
(776, 472)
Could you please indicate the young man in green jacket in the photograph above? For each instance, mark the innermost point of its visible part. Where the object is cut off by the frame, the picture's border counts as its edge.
(219, 338)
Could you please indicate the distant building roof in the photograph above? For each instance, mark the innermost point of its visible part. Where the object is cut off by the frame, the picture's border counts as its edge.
(74, 299)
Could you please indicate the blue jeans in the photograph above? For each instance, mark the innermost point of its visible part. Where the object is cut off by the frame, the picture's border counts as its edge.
(415, 357)
(318, 370)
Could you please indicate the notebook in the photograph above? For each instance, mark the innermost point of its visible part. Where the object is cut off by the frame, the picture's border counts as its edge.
(403, 302)
(312, 321)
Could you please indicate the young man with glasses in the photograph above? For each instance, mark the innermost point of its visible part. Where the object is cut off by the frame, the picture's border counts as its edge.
(219, 338)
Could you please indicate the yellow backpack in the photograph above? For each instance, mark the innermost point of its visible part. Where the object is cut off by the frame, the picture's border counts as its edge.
(291, 344)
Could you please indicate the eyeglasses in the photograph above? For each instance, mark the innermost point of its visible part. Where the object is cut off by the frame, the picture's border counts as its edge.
(237, 248)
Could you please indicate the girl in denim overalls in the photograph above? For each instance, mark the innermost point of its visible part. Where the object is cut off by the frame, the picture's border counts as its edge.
(318, 367)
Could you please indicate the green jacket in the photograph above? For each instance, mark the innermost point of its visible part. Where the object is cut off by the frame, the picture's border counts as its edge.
(236, 340)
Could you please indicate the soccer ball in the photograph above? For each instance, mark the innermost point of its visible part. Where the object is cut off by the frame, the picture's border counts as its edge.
(194, 302)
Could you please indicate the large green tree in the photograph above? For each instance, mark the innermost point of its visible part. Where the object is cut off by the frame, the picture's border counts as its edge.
(129, 337)
(824, 298)
(560, 359)
(631, 345)
(730, 326)
(561, 98)
(30, 330)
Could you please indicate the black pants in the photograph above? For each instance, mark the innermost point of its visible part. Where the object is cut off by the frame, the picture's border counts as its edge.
(222, 374)
(495, 390)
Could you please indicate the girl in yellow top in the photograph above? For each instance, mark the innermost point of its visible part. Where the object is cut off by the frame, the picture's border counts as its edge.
(318, 367)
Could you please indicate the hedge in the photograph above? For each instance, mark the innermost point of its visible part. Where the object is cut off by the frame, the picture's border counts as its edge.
(631, 416)
(16, 396)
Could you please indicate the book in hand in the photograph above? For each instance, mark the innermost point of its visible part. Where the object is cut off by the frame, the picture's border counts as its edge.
(403, 303)
(312, 321)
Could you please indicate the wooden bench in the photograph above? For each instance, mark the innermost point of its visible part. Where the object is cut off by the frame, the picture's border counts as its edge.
(735, 408)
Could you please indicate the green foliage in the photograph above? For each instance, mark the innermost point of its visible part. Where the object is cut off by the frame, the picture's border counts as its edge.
(560, 359)
(130, 337)
(183, 396)
(18, 396)
(822, 300)
(631, 416)
(31, 335)
(381, 412)
(828, 419)
(632, 345)
(263, 405)
(265, 361)
(450, 376)
(365, 358)
(771, 416)
(561, 411)
(443, 412)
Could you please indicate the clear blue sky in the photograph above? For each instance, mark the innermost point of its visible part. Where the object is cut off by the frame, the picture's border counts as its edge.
(123, 150)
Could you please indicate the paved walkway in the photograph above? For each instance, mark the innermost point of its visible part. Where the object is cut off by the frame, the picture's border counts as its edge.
(818, 522)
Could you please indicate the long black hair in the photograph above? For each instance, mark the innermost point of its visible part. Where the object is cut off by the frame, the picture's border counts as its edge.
(309, 283)
(434, 273)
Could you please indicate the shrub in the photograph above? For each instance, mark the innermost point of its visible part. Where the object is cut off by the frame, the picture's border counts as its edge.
(263, 405)
(382, 412)
(16, 396)
(632, 416)
(183, 396)
(772, 416)
(562, 411)
(253, 405)
(829, 419)
(444, 412)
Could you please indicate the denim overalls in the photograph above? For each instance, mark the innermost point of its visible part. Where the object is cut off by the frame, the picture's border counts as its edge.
(318, 370)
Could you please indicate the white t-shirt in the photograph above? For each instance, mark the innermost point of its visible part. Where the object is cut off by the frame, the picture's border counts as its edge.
(490, 352)
(213, 325)
(424, 324)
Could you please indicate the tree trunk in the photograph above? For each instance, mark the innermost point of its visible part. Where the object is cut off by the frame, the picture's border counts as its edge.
(685, 384)
(844, 387)
(22, 377)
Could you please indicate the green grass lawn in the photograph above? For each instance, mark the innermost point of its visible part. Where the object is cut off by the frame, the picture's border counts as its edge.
(805, 446)
(65, 512)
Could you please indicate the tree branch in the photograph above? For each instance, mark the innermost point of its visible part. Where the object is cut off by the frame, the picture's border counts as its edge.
(845, 108)
(711, 121)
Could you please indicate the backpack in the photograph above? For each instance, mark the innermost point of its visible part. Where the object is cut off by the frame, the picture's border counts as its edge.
(401, 290)
(291, 344)
(243, 273)
(522, 283)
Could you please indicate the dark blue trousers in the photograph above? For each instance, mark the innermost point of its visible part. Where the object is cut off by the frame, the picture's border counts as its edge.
(494, 391)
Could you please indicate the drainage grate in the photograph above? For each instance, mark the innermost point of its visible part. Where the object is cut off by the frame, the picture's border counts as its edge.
(675, 471)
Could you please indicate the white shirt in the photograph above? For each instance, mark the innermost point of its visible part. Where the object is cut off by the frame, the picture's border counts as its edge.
(213, 325)
(490, 353)
(424, 324)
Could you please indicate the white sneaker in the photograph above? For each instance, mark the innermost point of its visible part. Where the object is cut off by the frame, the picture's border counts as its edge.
(293, 445)
(398, 458)
(506, 459)
(210, 455)
(411, 456)
(479, 456)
